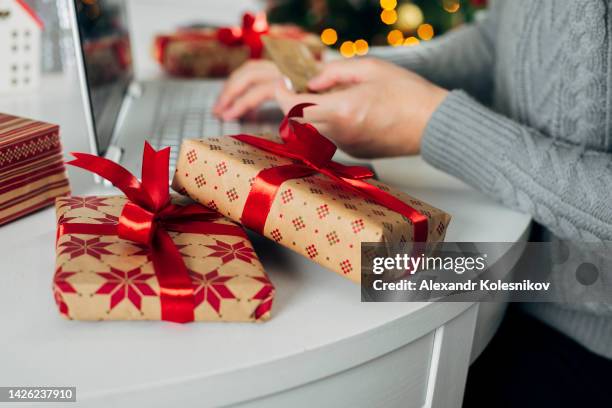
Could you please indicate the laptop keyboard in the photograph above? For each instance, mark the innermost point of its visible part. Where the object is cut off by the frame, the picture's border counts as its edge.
(184, 111)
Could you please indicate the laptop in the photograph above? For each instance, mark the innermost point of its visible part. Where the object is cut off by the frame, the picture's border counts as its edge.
(122, 113)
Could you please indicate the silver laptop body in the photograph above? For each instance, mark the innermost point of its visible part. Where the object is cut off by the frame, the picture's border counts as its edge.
(122, 113)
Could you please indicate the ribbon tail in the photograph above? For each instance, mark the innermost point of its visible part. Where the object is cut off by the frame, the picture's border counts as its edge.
(176, 290)
(419, 221)
(155, 175)
(351, 172)
(111, 171)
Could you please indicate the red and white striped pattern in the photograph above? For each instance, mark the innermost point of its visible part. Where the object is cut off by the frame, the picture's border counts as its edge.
(32, 172)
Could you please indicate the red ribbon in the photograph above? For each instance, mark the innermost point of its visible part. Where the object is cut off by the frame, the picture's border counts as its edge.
(313, 153)
(253, 27)
(147, 217)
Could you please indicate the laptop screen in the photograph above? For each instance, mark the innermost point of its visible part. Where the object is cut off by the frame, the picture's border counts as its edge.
(105, 46)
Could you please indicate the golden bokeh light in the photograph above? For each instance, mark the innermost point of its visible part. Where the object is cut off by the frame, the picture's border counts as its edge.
(451, 6)
(409, 17)
(388, 4)
(411, 41)
(361, 47)
(395, 38)
(388, 17)
(425, 32)
(348, 49)
(329, 36)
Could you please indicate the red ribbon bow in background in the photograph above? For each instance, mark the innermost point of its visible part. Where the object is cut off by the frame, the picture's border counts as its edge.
(313, 154)
(147, 217)
(253, 27)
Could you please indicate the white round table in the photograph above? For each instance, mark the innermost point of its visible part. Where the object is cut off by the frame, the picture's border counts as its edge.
(322, 347)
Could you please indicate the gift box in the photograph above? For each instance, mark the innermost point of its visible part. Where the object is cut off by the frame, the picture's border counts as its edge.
(32, 172)
(291, 191)
(149, 256)
(217, 52)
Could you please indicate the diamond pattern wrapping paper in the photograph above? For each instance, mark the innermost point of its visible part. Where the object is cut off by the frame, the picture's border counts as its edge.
(32, 172)
(314, 216)
(107, 278)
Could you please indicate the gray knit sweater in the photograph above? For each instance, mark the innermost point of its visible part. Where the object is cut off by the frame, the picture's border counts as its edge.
(529, 122)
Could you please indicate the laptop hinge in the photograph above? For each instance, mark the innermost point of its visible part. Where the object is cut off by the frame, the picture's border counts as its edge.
(114, 152)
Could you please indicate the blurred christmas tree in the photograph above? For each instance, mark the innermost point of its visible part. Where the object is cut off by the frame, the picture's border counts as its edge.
(353, 25)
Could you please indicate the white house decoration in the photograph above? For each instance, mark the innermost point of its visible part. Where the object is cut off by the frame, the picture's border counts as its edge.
(20, 46)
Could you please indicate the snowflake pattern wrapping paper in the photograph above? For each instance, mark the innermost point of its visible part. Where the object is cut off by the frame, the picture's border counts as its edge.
(102, 277)
(32, 172)
(314, 216)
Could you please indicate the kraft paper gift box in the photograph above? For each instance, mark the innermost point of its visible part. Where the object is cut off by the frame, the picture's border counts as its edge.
(32, 172)
(193, 264)
(323, 214)
(209, 52)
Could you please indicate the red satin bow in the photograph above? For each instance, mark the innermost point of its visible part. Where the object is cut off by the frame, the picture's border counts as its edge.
(313, 153)
(147, 217)
(249, 34)
(253, 27)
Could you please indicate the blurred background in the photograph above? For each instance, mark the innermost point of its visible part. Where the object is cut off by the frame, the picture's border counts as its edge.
(352, 27)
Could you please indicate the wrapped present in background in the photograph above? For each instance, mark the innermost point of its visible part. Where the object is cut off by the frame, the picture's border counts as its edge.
(293, 193)
(32, 172)
(107, 59)
(146, 256)
(209, 52)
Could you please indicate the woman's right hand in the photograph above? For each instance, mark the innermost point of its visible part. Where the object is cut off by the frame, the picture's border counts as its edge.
(248, 87)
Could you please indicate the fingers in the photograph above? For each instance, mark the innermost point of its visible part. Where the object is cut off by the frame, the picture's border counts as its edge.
(249, 101)
(288, 99)
(241, 80)
(341, 72)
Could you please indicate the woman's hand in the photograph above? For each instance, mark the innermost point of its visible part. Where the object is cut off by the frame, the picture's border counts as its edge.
(248, 87)
(372, 108)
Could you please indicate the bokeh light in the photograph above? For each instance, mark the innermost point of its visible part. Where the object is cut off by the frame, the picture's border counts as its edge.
(425, 32)
(409, 17)
(329, 36)
(451, 6)
(388, 4)
(361, 47)
(348, 49)
(388, 16)
(395, 38)
(411, 41)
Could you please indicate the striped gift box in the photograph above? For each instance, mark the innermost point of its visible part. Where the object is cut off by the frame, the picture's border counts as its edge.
(32, 172)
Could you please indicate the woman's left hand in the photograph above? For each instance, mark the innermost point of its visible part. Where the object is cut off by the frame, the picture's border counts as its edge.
(373, 108)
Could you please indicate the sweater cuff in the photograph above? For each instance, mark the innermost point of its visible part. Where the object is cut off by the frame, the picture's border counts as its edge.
(465, 139)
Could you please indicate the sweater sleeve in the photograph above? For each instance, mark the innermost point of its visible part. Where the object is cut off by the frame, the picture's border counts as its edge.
(564, 187)
(462, 58)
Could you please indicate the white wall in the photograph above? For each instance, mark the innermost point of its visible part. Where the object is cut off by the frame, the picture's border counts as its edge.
(150, 17)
